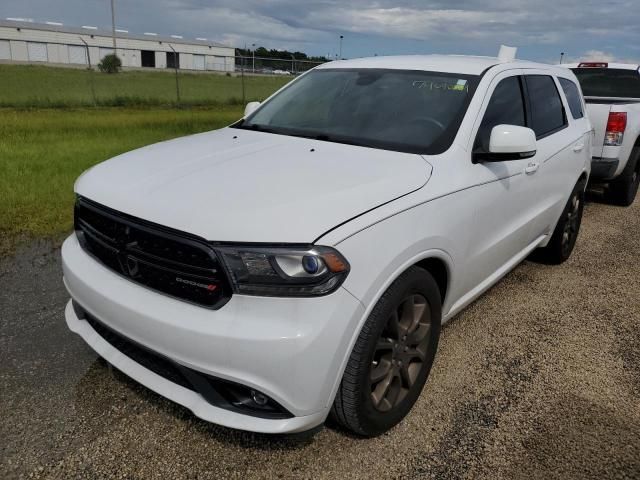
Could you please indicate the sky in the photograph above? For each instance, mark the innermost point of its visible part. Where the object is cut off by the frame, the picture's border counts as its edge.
(584, 29)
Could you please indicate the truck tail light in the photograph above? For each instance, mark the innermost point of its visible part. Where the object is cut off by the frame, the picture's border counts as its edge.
(616, 125)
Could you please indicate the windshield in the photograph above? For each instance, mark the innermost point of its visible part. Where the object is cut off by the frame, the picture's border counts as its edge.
(407, 111)
(609, 82)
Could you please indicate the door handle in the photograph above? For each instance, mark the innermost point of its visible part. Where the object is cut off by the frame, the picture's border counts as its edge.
(578, 148)
(531, 168)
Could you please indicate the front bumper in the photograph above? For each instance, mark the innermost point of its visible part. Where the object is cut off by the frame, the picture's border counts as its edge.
(291, 349)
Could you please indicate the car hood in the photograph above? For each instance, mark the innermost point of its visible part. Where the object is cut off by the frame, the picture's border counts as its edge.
(245, 186)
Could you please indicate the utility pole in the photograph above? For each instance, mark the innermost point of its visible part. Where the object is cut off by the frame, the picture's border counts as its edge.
(341, 37)
(253, 45)
(244, 98)
(175, 65)
(113, 25)
(93, 88)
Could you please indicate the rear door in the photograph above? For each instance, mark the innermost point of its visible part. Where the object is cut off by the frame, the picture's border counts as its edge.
(578, 115)
(561, 147)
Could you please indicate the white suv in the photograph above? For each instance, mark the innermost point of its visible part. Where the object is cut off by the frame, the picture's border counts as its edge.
(300, 262)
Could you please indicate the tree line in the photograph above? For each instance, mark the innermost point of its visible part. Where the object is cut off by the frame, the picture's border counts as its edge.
(275, 59)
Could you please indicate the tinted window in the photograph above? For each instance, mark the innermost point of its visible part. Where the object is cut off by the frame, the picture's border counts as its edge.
(609, 82)
(403, 110)
(547, 113)
(505, 107)
(573, 97)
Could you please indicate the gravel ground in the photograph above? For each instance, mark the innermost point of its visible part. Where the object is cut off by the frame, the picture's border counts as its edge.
(540, 378)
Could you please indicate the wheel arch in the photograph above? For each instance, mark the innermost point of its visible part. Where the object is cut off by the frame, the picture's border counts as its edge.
(440, 266)
(440, 272)
(437, 262)
(636, 149)
(583, 177)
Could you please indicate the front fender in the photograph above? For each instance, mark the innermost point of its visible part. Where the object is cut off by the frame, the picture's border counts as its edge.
(380, 252)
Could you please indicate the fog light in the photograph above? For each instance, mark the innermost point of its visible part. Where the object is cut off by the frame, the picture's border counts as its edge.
(259, 398)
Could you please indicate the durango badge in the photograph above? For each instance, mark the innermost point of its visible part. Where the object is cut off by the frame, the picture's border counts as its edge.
(211, 287)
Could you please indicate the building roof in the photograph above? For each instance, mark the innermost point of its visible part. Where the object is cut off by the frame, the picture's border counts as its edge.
(28, 25)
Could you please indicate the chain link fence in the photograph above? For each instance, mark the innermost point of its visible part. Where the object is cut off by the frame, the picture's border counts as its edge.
(273, 66)
(222, 81)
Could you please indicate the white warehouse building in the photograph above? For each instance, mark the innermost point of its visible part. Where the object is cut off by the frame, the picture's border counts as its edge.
(26, 41)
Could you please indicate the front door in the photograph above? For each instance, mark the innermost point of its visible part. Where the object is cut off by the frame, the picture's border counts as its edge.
(503, 198)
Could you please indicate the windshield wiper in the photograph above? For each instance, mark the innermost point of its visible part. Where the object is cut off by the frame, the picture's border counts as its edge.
(323, 137)
(255, 127)
(328, 138)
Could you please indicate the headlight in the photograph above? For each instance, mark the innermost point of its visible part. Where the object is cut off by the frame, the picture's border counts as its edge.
(284, 271)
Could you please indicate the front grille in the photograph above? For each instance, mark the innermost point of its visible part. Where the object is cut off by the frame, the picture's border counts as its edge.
(172, 262)
(218, 392)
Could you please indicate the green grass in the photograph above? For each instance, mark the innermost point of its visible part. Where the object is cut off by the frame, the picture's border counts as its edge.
(42, 152)
(42, 87)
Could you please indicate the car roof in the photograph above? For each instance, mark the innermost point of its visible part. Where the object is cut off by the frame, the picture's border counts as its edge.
(619, 66)
(463, 64)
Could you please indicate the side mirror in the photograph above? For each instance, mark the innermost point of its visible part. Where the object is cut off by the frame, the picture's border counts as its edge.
(250, 108)
(509, 142)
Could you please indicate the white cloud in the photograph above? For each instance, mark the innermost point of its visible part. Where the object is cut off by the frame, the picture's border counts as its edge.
(601, 56)
(239, 27)
(540, 27)
(597, 55)
(407, 22)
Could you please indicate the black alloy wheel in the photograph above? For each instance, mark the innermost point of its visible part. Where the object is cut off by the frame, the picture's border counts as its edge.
(564, 237)
(571, 224)
(623, 189)
(392, 356)
(400, 352)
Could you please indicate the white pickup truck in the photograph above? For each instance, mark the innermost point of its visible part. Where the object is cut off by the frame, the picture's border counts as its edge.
(612, 94)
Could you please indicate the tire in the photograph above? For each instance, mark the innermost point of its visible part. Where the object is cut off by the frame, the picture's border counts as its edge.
(566, 232)
(623, 189)
(398, 342)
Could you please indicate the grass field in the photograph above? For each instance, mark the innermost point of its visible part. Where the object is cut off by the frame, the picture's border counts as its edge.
(42, 152)
(40, 87)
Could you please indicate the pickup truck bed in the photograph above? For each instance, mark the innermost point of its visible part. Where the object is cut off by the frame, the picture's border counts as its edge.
(608, 160)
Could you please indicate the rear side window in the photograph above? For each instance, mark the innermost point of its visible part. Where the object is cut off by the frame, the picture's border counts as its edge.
(573, 97)
(547, 112)
(505, 107)
(609, 82)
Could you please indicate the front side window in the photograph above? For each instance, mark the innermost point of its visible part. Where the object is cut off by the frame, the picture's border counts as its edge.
(401, 110)
(547, 112)
(573, 97)
(505, 107)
